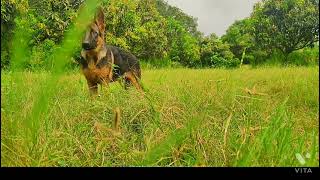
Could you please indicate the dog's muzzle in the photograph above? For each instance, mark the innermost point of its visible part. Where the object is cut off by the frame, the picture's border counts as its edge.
(86, 46)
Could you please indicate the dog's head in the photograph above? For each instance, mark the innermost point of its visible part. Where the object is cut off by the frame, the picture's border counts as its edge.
(95, 33)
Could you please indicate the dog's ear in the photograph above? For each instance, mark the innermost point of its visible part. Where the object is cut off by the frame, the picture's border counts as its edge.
(100, 19)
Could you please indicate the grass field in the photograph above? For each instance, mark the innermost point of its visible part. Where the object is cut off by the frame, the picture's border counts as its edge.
(243, 117)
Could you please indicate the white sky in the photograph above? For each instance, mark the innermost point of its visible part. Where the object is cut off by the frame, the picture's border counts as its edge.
(215, 16)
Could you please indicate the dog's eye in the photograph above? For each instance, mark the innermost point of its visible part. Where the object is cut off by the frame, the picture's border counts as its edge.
(94, 33)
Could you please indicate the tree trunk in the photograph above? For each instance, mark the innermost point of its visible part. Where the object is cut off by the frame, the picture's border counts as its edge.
(286, 58)
(243, 55)
(286, 53)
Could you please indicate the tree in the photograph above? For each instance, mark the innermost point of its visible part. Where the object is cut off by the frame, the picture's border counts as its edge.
(53, 17)
(188, 22)
(182, 46)
(240, 40)
(286, 25)
(136, 26)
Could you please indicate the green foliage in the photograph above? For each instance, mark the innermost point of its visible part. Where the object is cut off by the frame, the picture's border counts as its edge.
(41, 56)
(188, 22)
(160, 64)
(53, 17)
(9, 10)
(20, 41)
(302, 57)
(183, 46)
(286, 25)
(137, 26)
(43, 21)
(239, 39)
(155, 31)
(219, 62)
(215, 53)
(260, 56)
(274, 27)
(305, 57)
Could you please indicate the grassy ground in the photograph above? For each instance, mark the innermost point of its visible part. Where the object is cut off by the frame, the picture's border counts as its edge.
(243, 117)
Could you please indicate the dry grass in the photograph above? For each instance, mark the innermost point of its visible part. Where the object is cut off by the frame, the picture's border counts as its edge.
(243, 117)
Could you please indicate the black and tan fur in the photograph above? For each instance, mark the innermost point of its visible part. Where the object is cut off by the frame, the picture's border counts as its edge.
(103, 64)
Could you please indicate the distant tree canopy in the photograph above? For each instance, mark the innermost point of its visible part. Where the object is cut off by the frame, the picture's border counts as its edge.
(275, 25)
(154, 31)
(239, 38)
(215, 53)
(188, 22)
(286, 25)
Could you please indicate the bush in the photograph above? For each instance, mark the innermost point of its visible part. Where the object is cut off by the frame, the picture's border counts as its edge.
(160, 63)
(41, 56)
(219, 62)
(305, 57)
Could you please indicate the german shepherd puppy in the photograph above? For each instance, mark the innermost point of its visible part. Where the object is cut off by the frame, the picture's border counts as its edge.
(102, 64)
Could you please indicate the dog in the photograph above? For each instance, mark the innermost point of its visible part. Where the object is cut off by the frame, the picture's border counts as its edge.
(103, 64)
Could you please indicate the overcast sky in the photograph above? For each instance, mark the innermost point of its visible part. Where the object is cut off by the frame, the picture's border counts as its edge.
(215, 16)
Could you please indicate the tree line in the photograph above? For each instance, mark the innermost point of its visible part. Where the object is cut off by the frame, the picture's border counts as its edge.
(157, 32)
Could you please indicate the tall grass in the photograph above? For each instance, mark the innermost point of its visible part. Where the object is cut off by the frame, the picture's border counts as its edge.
(40, 106)
(187, 118)
(275, 144)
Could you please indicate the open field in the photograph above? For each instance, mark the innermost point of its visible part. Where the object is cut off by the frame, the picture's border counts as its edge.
(241, 117)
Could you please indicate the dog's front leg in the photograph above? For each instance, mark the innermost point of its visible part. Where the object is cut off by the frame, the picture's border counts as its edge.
(93, 88)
